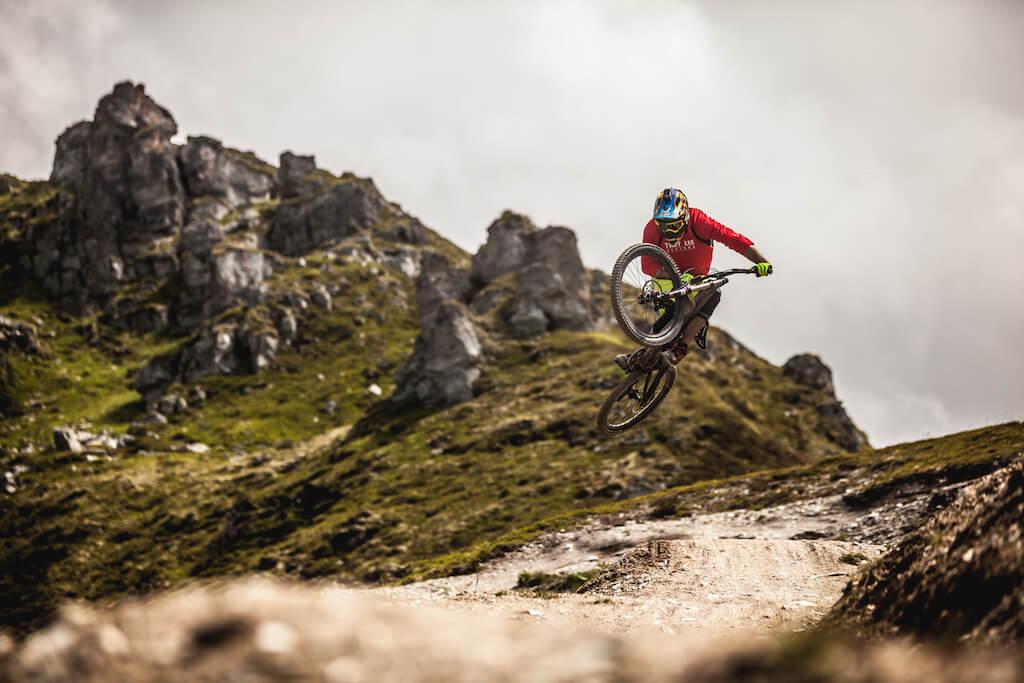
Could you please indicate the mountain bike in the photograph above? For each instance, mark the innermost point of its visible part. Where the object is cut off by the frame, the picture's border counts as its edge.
(639, 306)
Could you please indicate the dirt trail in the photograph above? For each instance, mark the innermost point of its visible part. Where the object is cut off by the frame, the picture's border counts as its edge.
(738, 570)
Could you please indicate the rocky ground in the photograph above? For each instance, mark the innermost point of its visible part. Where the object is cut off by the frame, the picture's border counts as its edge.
(705, 608)
(264, 631)
(960, 575)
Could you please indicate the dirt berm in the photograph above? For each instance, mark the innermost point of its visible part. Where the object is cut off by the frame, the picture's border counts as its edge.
(960, 576)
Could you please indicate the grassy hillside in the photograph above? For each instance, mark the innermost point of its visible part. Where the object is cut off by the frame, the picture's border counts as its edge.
(307, 472)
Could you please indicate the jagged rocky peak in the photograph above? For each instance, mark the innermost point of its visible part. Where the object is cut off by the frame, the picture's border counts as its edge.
(810, 371)
(121, 165)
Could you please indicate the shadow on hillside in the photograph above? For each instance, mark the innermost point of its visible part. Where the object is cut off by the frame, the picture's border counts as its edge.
(387, 418)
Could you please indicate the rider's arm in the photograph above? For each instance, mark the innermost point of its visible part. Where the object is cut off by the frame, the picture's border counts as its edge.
(754, 255)
(707, 228)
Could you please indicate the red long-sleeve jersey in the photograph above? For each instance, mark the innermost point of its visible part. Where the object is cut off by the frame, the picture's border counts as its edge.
(693, 249)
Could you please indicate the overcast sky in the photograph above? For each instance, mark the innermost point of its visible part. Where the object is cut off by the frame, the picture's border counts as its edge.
(874, 151)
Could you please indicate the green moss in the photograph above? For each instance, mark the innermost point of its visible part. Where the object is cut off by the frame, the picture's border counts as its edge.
(544, 583)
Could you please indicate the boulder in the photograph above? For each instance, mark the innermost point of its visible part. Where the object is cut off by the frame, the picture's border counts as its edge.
(260, 348)
(16, 335)
(809, 370)
(131, 180)
(296, 175)
(340, 211)
(151, 380)
(405, 261)
(321, 297)
(228, 348)
(560, 295)
(445, 362)
(438, 282)
(506, 248)
(526, 319)
(216, 279)
(237, 277)
(67, 439)
(214, 352)
(286, 323)
(209, 169)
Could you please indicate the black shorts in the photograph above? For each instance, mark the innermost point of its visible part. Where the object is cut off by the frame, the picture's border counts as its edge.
(708, 304)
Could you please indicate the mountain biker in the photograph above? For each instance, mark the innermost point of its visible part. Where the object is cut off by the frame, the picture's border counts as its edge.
(688, 236)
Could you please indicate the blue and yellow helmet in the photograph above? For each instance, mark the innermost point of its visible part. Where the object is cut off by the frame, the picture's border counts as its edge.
(671, 211)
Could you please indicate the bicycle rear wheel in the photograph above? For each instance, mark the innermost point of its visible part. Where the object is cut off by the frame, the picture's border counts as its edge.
(636, 315)
(636, 397)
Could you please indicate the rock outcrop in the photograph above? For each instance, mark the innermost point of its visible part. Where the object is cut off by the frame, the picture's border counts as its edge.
(16, 338)
(209, 169)
(226, 348)
(298, 175)
(143, 212)
(506, 249)
(345, 208)
(445, 362)
(810, 371)
(122, 173)
(552, 288)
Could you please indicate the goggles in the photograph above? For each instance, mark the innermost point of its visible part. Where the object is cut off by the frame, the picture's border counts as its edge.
(672, 227)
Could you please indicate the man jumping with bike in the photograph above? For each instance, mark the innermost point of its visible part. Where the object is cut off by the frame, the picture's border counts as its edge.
(688, 236)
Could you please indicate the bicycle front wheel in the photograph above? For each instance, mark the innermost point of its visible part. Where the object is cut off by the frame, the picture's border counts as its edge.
(637, 316)
(636, 397)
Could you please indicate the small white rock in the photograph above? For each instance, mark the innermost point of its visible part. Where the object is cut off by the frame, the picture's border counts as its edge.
(275, 637)
(375, 390)
(112, 640)
(198, 448)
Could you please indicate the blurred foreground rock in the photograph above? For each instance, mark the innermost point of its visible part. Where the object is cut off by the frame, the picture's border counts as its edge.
(258, 630)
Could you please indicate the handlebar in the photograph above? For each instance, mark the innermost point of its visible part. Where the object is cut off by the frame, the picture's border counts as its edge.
(709, 281)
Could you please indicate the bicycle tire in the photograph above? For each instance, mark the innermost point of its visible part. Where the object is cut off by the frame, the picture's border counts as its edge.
(628, 312)
(646, 409)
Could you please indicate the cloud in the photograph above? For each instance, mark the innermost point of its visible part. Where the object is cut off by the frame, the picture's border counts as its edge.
(874, 150)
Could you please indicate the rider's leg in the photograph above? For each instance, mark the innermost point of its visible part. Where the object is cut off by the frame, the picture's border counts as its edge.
(696, 328)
